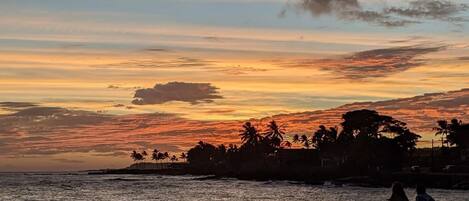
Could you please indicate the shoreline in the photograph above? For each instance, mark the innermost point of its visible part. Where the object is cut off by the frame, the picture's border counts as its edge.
(449, 181)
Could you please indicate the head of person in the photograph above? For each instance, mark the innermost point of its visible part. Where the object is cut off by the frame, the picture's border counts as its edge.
(397, 189)
(421, 189)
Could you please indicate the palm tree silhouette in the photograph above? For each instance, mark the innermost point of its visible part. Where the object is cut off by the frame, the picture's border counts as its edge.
(296, 138)
(304, 139)
(250, 135)
(174, 158)
(144, 154)
(274, 134)
(183, 156)
(134, 156)
(447, 130)
(453, 132)
(154, 155)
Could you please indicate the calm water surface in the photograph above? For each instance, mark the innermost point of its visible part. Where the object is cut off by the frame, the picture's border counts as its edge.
(20, 186)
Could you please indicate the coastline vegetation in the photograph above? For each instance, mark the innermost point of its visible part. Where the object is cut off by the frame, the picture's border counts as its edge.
(366, 144)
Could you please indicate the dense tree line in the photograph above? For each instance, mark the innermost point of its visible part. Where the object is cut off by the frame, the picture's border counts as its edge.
(365, 140)
(156, 155)
(455, 133)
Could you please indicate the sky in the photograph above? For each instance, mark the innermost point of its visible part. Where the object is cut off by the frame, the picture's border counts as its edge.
(70, 70)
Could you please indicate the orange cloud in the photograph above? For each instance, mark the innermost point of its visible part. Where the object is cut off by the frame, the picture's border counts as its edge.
(51, 131)
(372, 63)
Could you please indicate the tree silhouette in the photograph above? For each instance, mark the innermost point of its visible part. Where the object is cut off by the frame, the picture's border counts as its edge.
(274, 134)
(232, 148)
(183, 156)
(296, 138)
(303, 139)
(364, 123)
(324, 137)
(160, 156)
(133, 155)
(136, 156)
(455, 132)
(174, 158)
(165, 155)
(220, 153)
(154, 155)
(249, 135)
(365, 143)
(202, 155)
(443, 129)
(406, 139)
(370, 139)
(306, 142)
(144, 154)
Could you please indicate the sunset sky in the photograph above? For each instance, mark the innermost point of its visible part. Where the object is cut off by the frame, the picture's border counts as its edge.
(84, 82)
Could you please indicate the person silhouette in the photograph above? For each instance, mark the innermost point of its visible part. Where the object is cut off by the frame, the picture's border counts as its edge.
(422, 194)
(398, 193)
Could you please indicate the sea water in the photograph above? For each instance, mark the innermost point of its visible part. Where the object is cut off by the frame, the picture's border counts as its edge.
(80, 186)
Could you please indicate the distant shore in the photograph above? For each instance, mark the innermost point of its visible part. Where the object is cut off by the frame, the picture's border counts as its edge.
(457, 181)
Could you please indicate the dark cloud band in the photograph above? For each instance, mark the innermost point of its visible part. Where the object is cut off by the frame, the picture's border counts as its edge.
(372, 63)
(193, 93)
(393, 16)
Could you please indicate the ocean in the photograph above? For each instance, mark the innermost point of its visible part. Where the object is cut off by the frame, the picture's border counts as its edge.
(77, 186)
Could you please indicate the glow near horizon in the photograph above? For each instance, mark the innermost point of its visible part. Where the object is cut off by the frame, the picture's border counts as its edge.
(67, 53)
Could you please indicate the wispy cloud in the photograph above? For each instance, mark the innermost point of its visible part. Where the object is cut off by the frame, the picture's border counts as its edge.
(372, 63)
(156, 50)
(430, 9)
(35, 119)
(389, 16)
(220, 111)
(183, 63)
(180, 62)
(375, 17)
(463, 58)
(193, 93)
(237, 70)
(321, 7)
(65, 160)
(16, 105)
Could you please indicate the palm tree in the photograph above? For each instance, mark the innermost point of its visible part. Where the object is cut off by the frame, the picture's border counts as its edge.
(154, 155)
(174, 158)
(296, 138)
(133, 155)
(443, 129)
(274, 134)
(459, 133)
(250, 135)
(160, 156)
(452, 131)
(136, 156)
(144, 154)
(183, 156)
(304, 139)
